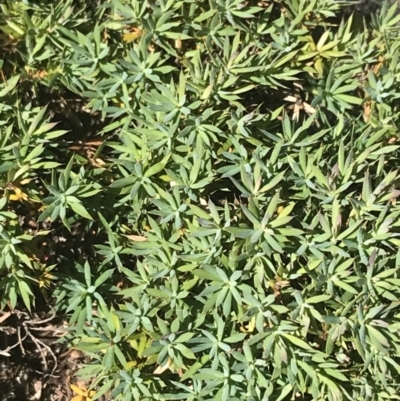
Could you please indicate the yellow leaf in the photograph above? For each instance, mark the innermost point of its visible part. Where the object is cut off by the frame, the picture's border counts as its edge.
(115, 321)
(132, 35)
(318, 66)
(322, 40)
(83, 393)
(45, 280)
(207, 92)
(250, 327)
(165, 178)
(130, 364)
(252, 324)
(284, 211)
(77, 390)
(18, 195)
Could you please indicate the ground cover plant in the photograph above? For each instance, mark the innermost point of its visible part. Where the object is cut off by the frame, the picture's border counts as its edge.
(206, 190)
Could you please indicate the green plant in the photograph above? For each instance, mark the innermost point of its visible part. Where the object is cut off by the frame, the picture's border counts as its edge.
(219, 206)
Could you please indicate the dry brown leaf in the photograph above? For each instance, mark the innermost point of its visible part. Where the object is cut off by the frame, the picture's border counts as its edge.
(178, 44)
(37, 386)
(106, 36)
(299, 105)
(378, 66)
(308, 108)
(98, 162)
(296, 112)
(87, 144)
(367, 111)
(25, 181)
(281, 284)
(298, 85)
(136, 238)
(39, 74)
(161, 369)
(75, 354)
(277, 285)
(5, 316)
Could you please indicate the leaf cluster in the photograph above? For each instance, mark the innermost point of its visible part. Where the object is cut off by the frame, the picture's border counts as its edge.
(208, 190)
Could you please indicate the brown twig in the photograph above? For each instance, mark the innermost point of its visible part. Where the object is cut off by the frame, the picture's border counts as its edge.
(30, 325)
(37, 322)
(10, 347)
(37, 343)
(20, 341)
(54, 332)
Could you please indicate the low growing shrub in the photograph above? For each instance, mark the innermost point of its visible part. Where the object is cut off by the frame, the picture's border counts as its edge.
(207, 189)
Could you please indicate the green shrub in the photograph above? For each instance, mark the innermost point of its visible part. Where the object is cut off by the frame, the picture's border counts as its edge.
(208, 190)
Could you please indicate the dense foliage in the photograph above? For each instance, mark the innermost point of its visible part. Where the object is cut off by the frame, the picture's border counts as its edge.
(208, 190)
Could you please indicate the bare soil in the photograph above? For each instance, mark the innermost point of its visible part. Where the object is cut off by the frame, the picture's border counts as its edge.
(35, 364)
